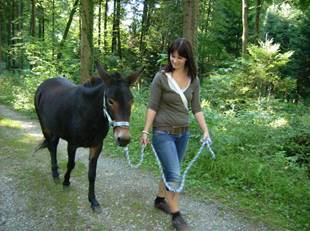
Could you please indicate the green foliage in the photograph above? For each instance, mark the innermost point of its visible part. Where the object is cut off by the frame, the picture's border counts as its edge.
(262, 155)
(290, 27)
(302, 56)
(281, 24)
(259, 74)
(39, 58)
(301, 4)
(264, 69)
(222, 40)
(18, 91)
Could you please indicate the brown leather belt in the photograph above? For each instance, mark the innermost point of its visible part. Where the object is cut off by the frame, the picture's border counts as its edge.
(173, 130)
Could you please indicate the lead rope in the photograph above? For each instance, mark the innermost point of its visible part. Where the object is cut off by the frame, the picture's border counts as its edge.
(126, 152)
(181, 186)
(207, 143)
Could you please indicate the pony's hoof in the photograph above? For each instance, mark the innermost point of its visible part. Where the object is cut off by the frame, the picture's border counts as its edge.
(97, 209)
(95, 206)
(56, 180)
(55, 174)
(66, 184)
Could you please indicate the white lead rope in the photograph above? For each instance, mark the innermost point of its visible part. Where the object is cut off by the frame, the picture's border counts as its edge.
(207, 143)
(126, 152)
(181, 185)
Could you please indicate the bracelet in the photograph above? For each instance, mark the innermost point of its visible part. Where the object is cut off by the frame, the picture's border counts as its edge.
(145, 132)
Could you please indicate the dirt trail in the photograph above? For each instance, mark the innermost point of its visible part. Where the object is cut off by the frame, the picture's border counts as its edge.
(29, 200)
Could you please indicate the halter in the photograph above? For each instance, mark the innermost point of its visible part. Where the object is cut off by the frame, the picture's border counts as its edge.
(112, 122)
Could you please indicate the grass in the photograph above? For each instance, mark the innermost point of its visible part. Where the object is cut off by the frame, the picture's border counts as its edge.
(261, 169)
(253, 174)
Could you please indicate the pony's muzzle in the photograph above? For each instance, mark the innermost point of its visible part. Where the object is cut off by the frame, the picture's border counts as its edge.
(122, 136)
(121, 141)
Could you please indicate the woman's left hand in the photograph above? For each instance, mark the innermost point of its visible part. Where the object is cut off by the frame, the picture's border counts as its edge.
(206, 137)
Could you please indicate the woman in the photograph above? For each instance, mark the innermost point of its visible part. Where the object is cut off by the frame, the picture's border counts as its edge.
(168, 116)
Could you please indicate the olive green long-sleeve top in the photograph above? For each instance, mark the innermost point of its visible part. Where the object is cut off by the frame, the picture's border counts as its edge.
(170, 110)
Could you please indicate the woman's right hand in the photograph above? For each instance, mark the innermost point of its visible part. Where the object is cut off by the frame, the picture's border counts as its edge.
(144, 140)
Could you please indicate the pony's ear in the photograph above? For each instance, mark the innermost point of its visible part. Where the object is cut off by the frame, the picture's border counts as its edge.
(104, 75)
(134, 76)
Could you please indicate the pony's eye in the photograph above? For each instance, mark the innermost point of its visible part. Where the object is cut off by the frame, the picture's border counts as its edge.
(110, 101)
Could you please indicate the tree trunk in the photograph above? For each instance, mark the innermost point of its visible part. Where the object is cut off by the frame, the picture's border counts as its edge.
(39, 12)
(87, 17)
(20, 14)
(13, 17)
(191, 12)
(53, 29)
(99, 24)
(1, 35)
(41, 21)
(114, 32)
(105, 44)
(208, 18)
(244, 26)
(13, 49)
(20, 30)
(204, 22)
(143, 26)
(119, 46)
(116, 35)
(65, 35)
(9, 33)
(4, 33)
(33, 18)
(43, 24)
(257, 18)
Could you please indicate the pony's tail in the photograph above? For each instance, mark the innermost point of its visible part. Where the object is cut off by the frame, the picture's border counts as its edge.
(40, 146)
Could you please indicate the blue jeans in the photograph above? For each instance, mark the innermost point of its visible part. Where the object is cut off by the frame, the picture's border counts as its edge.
(171, 151)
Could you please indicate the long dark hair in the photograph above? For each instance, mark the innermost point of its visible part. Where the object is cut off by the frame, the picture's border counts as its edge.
(185, 50)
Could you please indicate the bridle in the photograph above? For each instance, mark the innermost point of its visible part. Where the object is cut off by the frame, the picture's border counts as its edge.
(112, 122)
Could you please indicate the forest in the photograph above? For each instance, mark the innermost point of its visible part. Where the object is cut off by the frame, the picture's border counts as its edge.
(253, 59)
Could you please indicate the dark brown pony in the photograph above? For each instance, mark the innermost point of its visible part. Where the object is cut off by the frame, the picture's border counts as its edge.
(81, 115)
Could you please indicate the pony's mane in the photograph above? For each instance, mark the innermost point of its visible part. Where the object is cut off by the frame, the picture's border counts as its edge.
(92, 82)
(116, 77)
(95, 81)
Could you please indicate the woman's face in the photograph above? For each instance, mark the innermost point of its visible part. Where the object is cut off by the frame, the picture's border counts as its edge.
(177, 61)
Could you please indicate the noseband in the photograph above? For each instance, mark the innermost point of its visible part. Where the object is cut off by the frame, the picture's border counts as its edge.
(112, 122)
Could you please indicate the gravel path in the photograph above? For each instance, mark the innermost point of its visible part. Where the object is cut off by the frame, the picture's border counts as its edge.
(126, 196)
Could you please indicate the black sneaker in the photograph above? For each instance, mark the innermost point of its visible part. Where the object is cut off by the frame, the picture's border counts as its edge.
(179, 223)
(163, 206)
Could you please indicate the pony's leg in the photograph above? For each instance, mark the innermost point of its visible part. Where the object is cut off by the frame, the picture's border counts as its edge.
(94, 153)
(52, 147)
(71, 163)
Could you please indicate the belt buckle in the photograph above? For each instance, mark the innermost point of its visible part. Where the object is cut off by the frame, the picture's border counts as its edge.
(177, 130)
